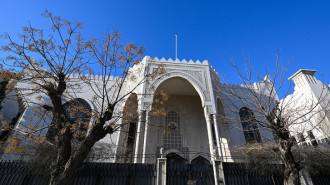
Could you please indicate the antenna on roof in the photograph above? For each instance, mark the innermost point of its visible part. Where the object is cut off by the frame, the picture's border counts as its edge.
(176, 45)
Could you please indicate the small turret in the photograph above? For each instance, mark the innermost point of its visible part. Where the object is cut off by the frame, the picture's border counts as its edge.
(304, 77)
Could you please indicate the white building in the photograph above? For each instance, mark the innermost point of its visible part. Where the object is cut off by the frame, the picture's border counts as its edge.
(310, 102)
(197, 113)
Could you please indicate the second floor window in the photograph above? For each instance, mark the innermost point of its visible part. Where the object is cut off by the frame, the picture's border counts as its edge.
(249, 125)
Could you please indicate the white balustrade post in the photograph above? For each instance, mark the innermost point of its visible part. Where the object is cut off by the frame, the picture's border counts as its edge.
(161, 168)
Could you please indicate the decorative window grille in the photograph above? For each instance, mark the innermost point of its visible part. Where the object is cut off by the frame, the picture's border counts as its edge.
(249, 124)
(172, 135)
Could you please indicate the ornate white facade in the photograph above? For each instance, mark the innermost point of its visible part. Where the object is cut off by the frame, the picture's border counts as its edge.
(195, 98)
(196, 121)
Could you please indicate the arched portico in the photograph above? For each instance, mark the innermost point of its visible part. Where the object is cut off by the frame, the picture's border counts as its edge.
(197, 85)
(190, 93)
(195, 124)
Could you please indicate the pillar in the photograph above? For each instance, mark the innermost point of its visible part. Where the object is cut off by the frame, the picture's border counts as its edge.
(146, 130)
(139, 138)
(217, 135)
(218, 163)
(209, 134)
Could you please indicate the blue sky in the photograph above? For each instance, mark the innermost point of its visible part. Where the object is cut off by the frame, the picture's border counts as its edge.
(208, 30)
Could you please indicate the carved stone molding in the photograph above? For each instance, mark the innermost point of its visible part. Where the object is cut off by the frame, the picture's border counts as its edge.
(197, 76)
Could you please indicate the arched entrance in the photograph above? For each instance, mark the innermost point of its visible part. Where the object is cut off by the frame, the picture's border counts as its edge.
(184, 126)
(182, 132)
(181, 127)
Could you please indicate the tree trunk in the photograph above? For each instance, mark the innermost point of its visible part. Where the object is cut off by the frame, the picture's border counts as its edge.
(292, 168)
(67, 174)
(67, 164)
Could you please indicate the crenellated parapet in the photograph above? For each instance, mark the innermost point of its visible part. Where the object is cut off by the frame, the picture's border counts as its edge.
(236, 86)
(170, 60)
(92, 76)
(148, 59)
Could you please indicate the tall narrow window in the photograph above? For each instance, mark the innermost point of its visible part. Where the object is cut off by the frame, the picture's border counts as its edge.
(78, 112)
(249, 124)
(130, 142)
(172, 136)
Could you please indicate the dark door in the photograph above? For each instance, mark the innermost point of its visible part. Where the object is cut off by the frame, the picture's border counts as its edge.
(179, 171)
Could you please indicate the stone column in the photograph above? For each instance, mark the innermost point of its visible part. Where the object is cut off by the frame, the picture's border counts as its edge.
(212, 155)
(146, 127)
(217, 135)
(218, 163)
(139, 138)
(209, 134)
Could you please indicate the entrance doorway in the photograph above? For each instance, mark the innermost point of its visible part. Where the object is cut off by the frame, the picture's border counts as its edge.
(179, 171)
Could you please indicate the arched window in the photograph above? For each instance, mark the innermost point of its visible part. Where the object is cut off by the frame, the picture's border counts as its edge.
(172, 135)
(249, 124)
(78, 112)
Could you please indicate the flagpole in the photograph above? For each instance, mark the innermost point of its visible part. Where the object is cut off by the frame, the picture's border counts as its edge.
(176, 46)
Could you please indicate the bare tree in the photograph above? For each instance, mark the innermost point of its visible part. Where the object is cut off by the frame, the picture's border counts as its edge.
(54, 65)
(262, 110)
